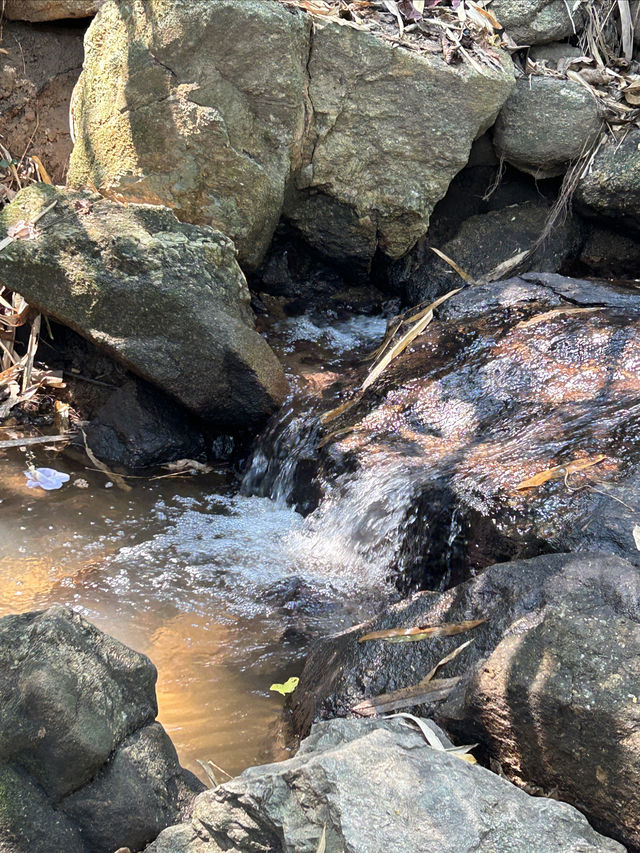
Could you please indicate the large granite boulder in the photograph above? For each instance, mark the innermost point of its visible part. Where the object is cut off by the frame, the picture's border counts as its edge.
(548, 687)
(167, 300)
(546, 123)
(354, 139)
(49, 10)
(389, 130)
(611, 187)
(535, 376)
(377, 786)
(538, 21)
(84, 767)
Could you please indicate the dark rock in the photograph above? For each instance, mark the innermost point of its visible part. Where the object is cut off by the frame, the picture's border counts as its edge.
(611, 187)
(167, 300)
(486, 240)
(549, 686)
(373, 786)
(78, 743)
(144, 771)
(507, 382)
(609, 253)
(138, 427)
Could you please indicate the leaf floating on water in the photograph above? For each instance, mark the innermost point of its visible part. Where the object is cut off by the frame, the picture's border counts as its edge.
(288, 687)
(559, 471)
(421, 632)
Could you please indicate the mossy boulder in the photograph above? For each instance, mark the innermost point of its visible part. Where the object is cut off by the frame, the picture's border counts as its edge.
(168, 300)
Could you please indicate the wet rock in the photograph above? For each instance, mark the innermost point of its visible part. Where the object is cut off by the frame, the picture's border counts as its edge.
(78, 742)
(138, 427)
(548, 686)
(330, 125)
(167, 300)
(38, 70)
(483, 242)
(50, 10)
(538, 21)
(611, 188)
(509, 381)
(545, 124)
(362, 780)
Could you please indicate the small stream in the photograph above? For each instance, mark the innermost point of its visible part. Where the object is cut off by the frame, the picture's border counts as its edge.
(223, 588)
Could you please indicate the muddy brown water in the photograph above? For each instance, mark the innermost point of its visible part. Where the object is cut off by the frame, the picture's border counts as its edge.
(222, 591)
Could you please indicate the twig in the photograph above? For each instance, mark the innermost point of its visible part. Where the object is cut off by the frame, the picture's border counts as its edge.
(39, 439)
(31, 351)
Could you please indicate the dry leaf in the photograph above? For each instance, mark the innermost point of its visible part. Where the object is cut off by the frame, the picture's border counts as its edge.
(559, 471)
(421, 632)
(425, 317)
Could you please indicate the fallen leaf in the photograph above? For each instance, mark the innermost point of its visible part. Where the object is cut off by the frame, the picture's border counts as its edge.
(288, 687)
(636, 535)
(421, 632)
(559, 471)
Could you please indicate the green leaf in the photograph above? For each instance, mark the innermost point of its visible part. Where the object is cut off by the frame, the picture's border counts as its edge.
(288, 687)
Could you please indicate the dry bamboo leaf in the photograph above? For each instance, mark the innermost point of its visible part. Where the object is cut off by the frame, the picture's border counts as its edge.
(556, 312)
(425, 318)
(339, 410)
(117, 479)
(447, 659)
(418, 694)
(626, 26)
(421, 632)
(559, 471)
(322, 844)
(462, 273)
(504, 268)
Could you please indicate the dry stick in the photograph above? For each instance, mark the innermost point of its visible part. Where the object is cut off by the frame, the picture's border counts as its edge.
(39, 439)
(31, 351)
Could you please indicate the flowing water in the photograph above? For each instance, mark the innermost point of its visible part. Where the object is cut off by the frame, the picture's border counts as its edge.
(222, 589)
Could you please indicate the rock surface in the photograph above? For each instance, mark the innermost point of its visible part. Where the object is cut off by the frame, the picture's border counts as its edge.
(138, 428)
(38, 70)
(611, 188)
(483, 242)
(50, 10)
(371, 175)
(167, 300)
(548, 686)
(362, 780)
(509, 382)
(78, 741)
(538, 21)
(330, 125)
(545, 124)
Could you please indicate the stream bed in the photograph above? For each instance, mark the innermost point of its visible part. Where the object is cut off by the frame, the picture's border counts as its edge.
(222, 590)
